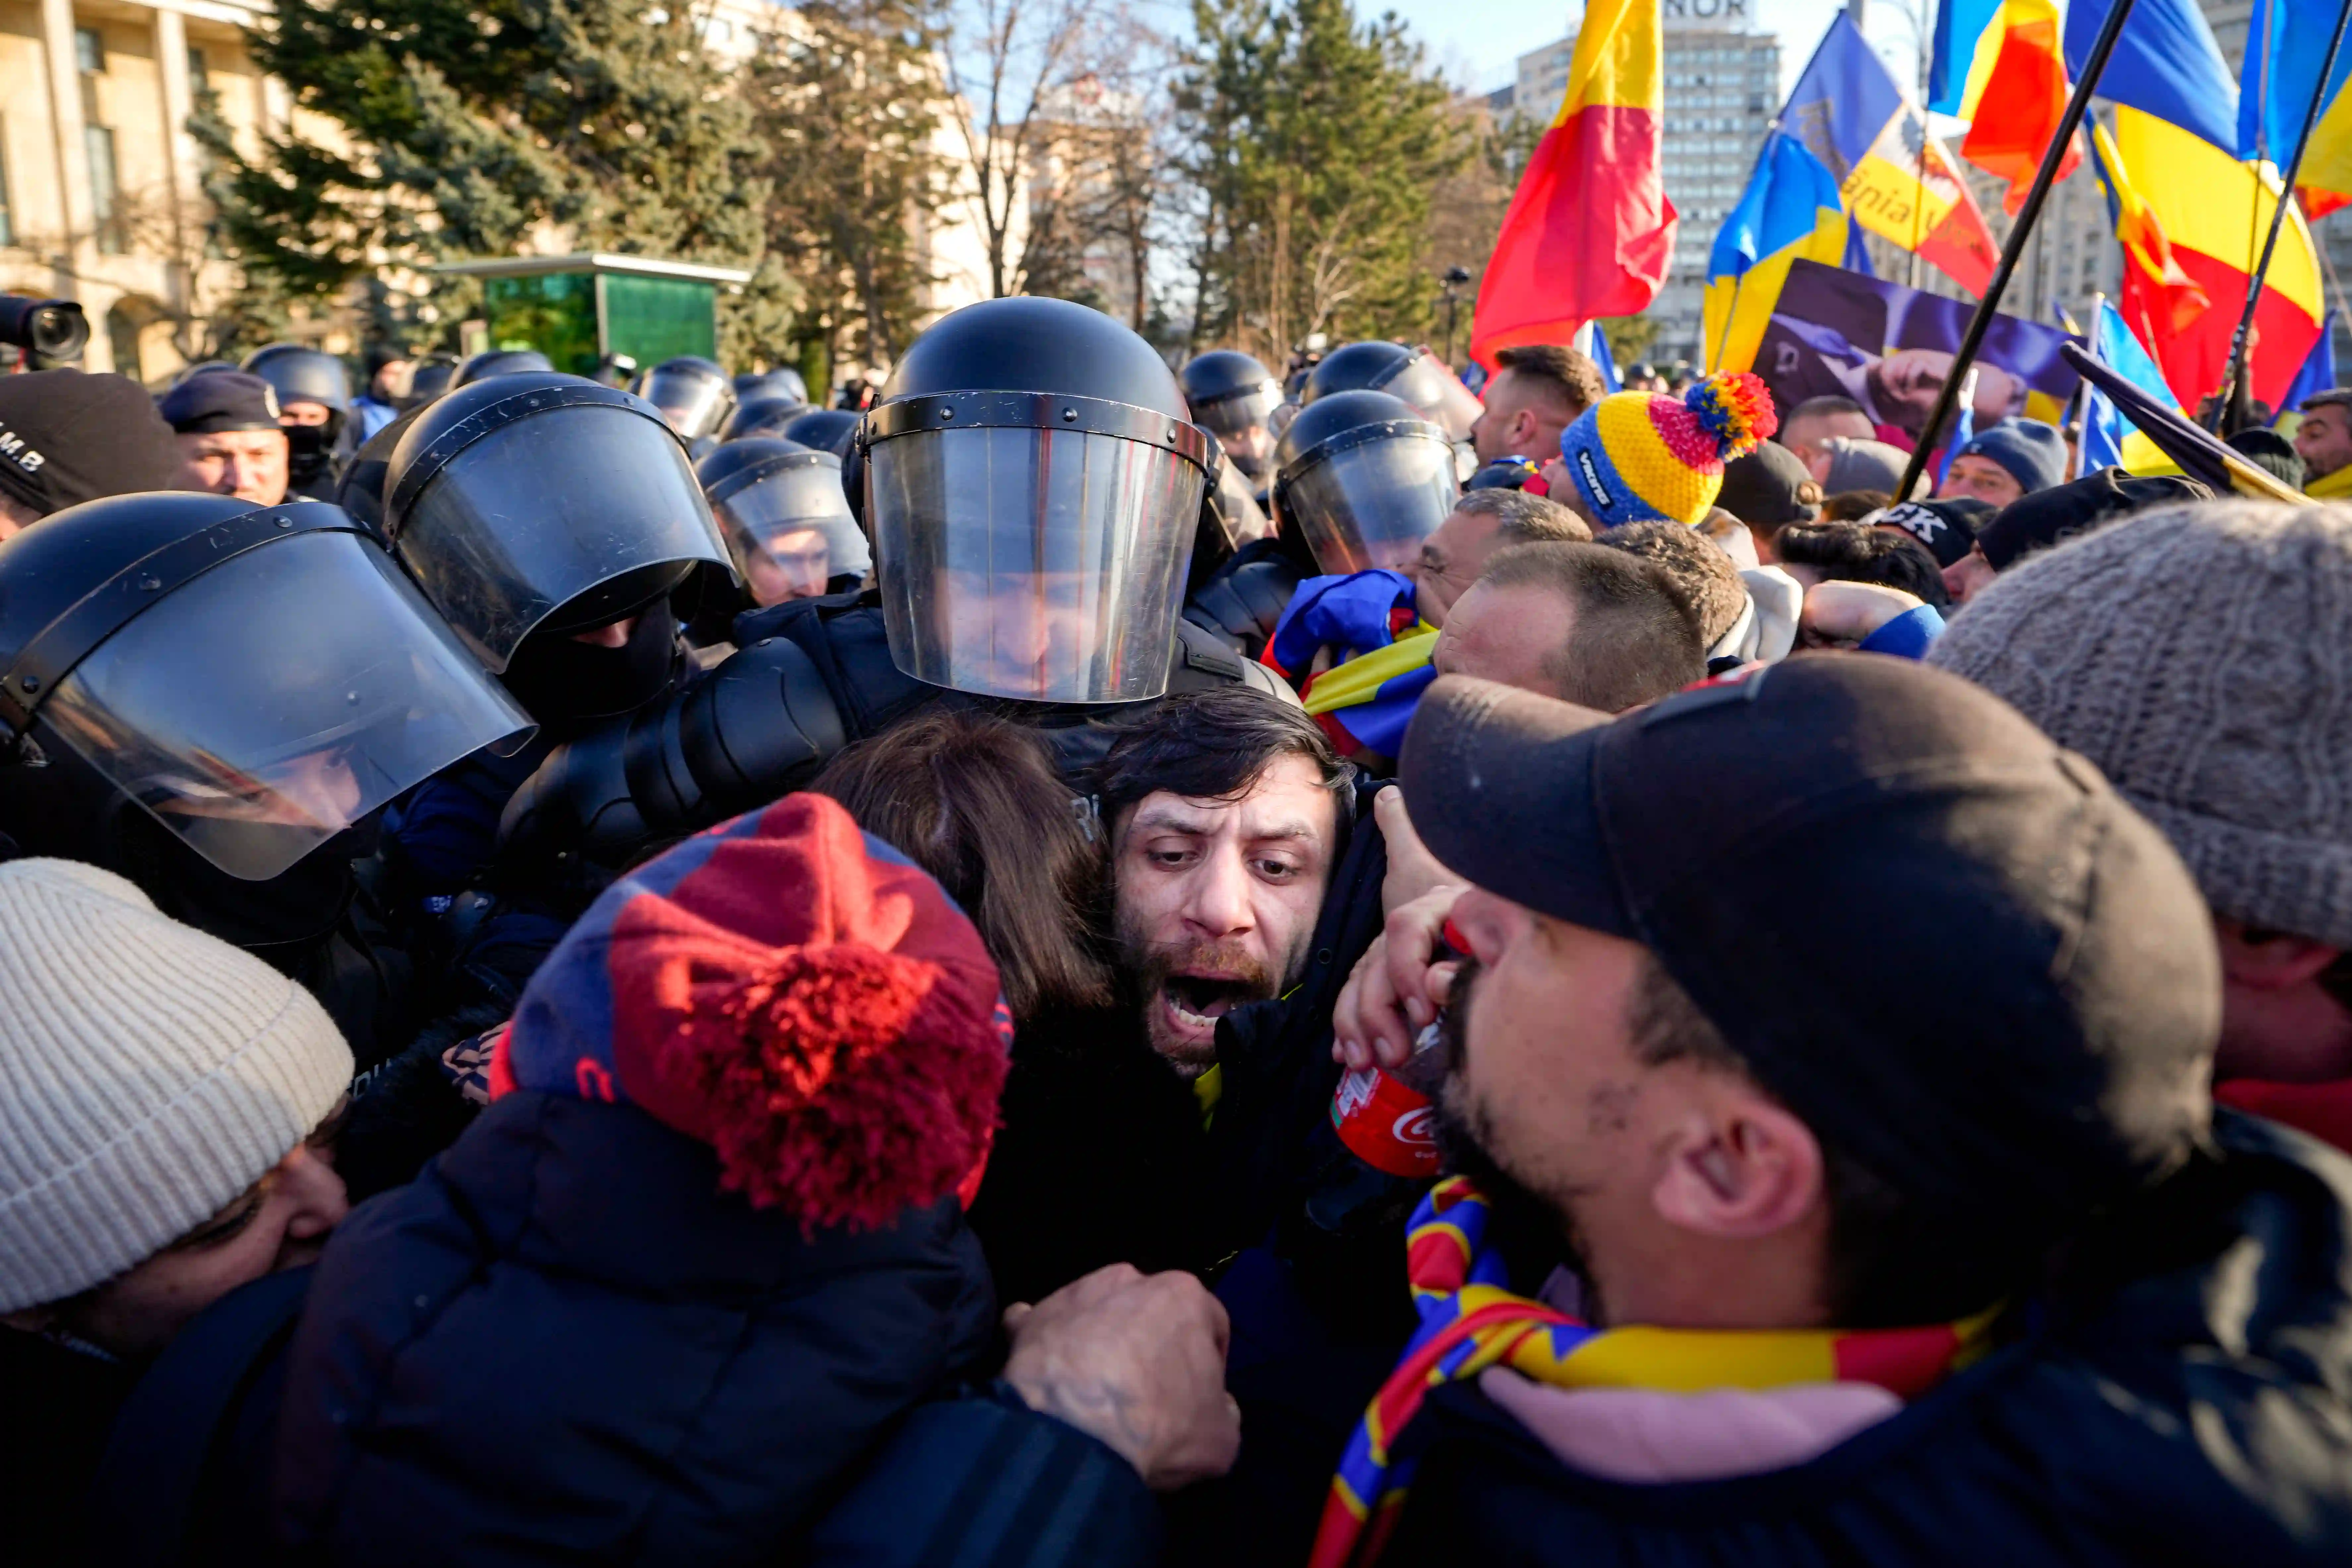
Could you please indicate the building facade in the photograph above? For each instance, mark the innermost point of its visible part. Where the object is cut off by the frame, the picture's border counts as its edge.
(1722, 88)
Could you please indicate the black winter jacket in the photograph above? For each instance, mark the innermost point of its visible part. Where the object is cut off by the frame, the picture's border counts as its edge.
(564, 1342)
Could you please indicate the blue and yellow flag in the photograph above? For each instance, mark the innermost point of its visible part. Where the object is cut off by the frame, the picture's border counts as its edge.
(2109, 439)
(1790, 211)
(2166, 65)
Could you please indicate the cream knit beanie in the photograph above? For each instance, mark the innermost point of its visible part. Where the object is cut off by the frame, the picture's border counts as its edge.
(2201, 655)
(148, 1073)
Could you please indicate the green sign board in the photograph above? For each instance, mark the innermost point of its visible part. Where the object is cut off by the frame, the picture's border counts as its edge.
(576, 310)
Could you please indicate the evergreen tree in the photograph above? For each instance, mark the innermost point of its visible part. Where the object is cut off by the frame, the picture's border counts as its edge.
(470, 122)
(842, 95)
(1317, 145)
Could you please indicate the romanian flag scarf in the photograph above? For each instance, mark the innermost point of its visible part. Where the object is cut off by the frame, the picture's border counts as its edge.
(1470, 1322)
(1367, 623)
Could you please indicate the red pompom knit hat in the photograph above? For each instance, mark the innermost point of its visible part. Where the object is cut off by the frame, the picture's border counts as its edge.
(796, 995)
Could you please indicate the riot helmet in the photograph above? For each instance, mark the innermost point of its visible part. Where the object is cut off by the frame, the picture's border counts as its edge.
(201, 367)
(692, 393)
(1416, 375)
(429, 380)
(762, 417)
(360, 489)
(257, 680)
(826, 429)
(499, 362)
(1033, 484)
(306, 377)
(781, 506)
(613, 369)
(1366, 480)
(783, 383)
(544, 502)
(1232, 395)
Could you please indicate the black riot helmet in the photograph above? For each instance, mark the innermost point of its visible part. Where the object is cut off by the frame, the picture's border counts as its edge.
(692, 393)
(499, 362)
(361, 487)
(1232, 395)
(543, 502)
(201, 367)
(781, 506)
(828, 429)
(1414, 375)
(429, 380)
(257, 680)
(301, 376)
(1365, 479)
(762, 417)
(1033, 485)
(783, 383)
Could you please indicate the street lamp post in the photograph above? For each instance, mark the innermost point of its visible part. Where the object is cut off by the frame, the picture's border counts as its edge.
(1455, 277)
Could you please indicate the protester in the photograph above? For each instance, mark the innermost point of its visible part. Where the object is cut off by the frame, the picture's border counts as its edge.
(714, 1199)
(2322, 439)
(1767, 490)
(1972, 1277)
(1947, 529)
(2272, 453)
(1853, 506)
(2015, 458)
(231, 441)
(1220, 815)
(2055, 514)
(1482, 522)
(66, 437)
(1746, 613)
(1857, 552)
(380, 403)
(1809, 428)
(1539, 390)
(165, 1111)
(1578, 622)
(2226, 716)
(1863, 465)
(1636, 457)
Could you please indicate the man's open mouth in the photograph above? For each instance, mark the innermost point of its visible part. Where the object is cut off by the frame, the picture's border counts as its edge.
(1195, 1001)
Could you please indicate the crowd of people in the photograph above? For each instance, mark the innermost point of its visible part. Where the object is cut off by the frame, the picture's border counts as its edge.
(1102, 965)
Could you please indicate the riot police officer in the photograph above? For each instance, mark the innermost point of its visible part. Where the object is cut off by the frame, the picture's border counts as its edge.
(1362, 479)
(550, 519)
(1416, 375)
(153, 723)
(314, 405)
(692, 393)
(786, 519)
(1032, 487)
(1231, 396)
(762, 416)
(826, 429)
(781, 383)
(497, 361)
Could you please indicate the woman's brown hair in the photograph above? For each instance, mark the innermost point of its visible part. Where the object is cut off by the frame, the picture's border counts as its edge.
(976, 801)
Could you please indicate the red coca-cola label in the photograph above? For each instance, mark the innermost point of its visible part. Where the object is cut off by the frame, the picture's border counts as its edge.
(1385, 1124)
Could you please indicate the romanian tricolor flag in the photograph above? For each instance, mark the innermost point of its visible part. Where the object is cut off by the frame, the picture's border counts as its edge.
(1589, 231)
(1364, 629)
(2193, 218)
(1998, 66)
(1790, 211)
(1897, 181)
(2285, 42)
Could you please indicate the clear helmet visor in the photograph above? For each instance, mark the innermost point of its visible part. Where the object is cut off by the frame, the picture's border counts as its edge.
(1436, 393)
(538, 516)
(1239, 424)
(694, 402)
(276, 700)
(1036, 563)
(1371, 504)
(1242, 518)
(791, 529)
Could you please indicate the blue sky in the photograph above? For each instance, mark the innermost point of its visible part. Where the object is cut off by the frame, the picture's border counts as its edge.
(1476, 41)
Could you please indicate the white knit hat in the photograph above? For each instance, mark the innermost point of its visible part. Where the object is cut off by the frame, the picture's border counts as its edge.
(148, 1073)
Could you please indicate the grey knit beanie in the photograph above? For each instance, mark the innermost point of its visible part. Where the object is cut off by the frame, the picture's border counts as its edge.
(149, 1074)
(2201, 655)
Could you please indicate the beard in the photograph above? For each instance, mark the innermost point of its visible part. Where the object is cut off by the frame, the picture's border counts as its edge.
(1182, 990)
(1533, 1233)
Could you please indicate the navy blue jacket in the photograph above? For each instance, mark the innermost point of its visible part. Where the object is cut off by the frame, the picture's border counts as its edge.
(563, 1342)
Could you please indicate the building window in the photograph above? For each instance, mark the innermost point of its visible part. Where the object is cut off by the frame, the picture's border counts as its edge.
(7, 215)
(90, 51)
(105, 189)
(200, 76)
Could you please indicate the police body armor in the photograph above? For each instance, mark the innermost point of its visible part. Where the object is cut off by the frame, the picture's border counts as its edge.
(1033, 489)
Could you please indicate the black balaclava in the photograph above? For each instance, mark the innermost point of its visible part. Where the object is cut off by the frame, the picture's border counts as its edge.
(563, 684)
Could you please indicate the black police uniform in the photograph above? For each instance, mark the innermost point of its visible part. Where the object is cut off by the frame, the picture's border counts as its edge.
(155, 726)
(1038, 388)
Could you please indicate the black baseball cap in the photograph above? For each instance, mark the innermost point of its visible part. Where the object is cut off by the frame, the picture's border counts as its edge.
(1939, 937)
(1946, 527)
(220, 400)
(1767, 488)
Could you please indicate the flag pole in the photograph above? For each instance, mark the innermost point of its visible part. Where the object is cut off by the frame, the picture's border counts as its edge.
(2233, 379)
(2018, 233)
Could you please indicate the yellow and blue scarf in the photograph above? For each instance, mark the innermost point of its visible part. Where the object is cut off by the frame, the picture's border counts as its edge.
(1469, 1321)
